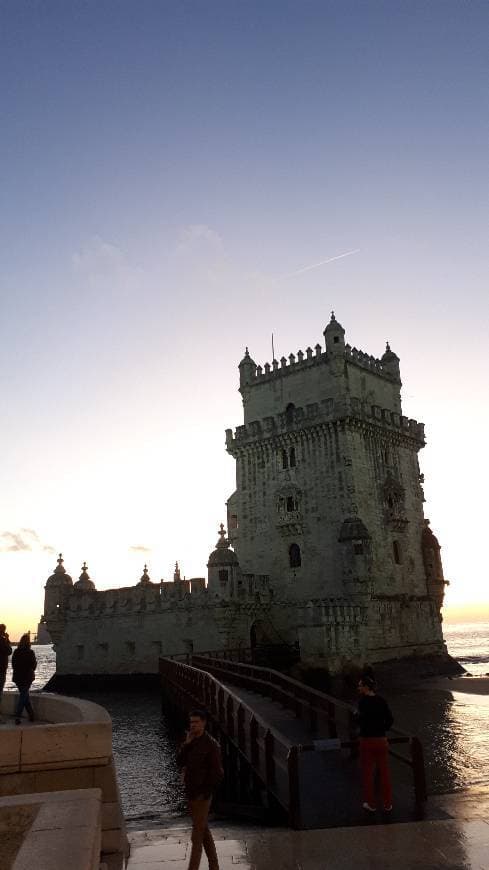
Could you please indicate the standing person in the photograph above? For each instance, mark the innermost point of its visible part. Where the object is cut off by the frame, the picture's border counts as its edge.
(24, 665)
(5, 652)
(375, 718)
(200, 758)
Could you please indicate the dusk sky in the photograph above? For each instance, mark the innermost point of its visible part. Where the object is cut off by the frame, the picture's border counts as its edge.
(168, 173)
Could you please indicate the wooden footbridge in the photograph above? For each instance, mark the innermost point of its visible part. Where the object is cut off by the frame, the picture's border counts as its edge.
(287, 748)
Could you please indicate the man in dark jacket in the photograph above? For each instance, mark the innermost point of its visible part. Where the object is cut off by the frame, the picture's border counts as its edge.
(374, 718)
(5, 652)
(200, 758)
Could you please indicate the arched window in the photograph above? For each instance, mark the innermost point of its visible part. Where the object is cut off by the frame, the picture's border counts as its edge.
(396, 550)
(295, 556)
(285, 459)
(292, 457)
(223, 576)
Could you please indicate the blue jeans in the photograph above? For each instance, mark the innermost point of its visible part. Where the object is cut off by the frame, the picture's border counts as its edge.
(24, 701)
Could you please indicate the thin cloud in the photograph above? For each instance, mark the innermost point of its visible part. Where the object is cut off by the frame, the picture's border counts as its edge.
(196, 236)
(140, 549)
(23, 541)
(321, 263)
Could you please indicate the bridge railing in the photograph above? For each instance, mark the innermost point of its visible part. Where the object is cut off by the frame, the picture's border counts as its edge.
(323, 714)
(265, 749)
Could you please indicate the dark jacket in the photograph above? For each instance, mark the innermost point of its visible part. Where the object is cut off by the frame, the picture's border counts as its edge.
(201, 759)
(374, 716)
(24, 665)
(5, 652)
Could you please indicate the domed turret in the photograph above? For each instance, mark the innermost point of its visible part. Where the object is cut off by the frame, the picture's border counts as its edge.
(222, 555)
(433, 567)
(84, 584)
(145, 579)
(247, 370)
(334, 336)
(390, 363)
(58, 586)
(223, 568)
(59, 577)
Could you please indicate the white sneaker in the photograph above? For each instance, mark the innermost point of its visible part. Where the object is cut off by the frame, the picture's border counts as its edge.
(369, 809)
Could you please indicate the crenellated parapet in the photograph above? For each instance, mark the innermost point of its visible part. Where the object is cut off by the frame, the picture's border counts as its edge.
(386, 367)
(317, 413)
(314, 357)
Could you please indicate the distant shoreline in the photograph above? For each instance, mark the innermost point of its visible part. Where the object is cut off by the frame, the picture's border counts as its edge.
(465, 685)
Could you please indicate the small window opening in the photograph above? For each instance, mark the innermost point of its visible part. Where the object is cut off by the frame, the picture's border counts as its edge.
(358, 548)
(285, 459)
(292, 457)
(223, 576)
(131, 646)
(80, 650)
(289, 414)
(291, 504)
(335, 339)
(295, 556)
(396, 549)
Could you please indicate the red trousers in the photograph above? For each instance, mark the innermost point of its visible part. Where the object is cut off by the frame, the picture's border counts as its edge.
(374, 752)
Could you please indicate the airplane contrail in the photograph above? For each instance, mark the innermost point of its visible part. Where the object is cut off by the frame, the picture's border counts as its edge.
(321, 263)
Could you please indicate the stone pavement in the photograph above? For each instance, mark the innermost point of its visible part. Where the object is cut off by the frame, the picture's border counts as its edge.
(434, 845)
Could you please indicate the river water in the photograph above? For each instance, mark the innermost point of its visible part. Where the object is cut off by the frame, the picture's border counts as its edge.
(454, 731)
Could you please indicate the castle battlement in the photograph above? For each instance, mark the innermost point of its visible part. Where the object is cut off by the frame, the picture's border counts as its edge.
(326, 411)
(295, 362)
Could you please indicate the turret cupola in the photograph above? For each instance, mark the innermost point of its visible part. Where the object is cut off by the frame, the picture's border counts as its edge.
(145, 579)
(224, 573)
(84, 584)
(247, 370)
(334, 336)
(390, 363)
(59, 577)
(58, 587)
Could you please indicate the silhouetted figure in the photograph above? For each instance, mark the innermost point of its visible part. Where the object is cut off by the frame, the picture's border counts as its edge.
(5, 652)
(24, 665)
(374, 718)
(200, 758)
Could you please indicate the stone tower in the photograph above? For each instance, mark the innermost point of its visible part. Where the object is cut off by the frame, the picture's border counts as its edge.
(329, 504)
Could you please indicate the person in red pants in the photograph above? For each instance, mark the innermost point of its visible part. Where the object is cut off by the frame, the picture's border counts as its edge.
(375, 718)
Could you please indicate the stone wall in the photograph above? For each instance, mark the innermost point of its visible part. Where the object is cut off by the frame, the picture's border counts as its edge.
(69, 748)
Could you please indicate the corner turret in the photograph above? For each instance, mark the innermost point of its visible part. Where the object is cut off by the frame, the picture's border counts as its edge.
(247, 370)
(58, 587)
(84, 584)
(223, 568)
(334, 336)
(145, 579)
(390, 363)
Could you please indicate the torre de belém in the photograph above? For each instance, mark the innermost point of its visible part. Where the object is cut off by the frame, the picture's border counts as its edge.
(327, 553)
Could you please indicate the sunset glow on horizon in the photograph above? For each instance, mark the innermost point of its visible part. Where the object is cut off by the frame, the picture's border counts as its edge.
(182, 180)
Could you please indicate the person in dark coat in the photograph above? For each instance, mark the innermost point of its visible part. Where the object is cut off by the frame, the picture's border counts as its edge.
(24, 665)
(374, 719)
(5, 652)
(200, 758)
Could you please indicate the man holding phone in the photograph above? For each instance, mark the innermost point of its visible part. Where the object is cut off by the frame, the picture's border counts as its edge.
(200, 758)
